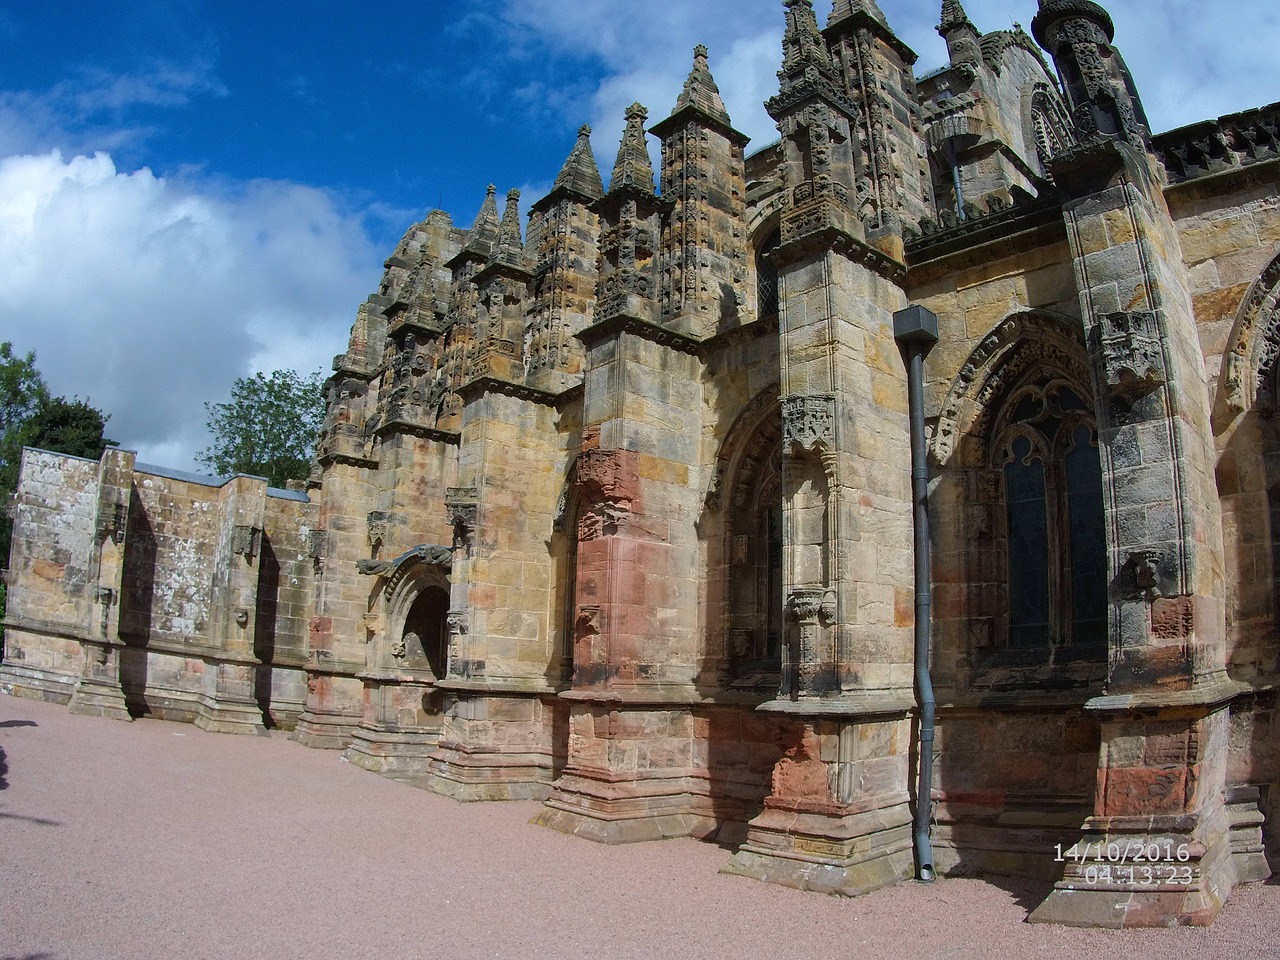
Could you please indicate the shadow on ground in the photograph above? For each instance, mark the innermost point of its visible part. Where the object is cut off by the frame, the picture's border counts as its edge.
(4, 760)
(1027, 892)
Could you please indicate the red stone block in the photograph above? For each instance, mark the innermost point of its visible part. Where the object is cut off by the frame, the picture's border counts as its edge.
(1142, 792)
(1172, 618)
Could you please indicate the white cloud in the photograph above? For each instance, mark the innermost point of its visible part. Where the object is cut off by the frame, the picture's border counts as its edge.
(150, 295)
(90, 111)
(1190, 65)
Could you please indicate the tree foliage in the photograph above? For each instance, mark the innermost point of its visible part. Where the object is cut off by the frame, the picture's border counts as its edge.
(268, 427)
(30, 417)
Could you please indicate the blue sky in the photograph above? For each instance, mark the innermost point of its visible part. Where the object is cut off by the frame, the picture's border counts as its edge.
(192, 190)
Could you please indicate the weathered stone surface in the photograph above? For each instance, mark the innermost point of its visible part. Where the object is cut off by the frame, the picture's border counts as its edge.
(617, 514)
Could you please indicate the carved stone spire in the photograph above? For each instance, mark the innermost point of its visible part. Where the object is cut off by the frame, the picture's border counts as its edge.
(580, 174)
(802, 44)
(633, 169)
(953, 17)
(844, 9)
(704, 237)
(700, 91)
(510, 248)
(485, 231)
(1100, 90)
(963, 40)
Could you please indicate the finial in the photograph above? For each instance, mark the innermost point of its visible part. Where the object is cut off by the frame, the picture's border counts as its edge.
(802, 43)
(584, 131)
(484, 232)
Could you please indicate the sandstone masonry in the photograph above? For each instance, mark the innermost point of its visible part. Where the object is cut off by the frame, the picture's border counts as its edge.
(615, 512)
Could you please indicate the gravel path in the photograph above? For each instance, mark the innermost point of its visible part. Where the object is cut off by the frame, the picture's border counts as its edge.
(157, 840)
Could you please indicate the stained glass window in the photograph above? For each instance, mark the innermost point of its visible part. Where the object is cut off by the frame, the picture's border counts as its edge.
(1055, 527)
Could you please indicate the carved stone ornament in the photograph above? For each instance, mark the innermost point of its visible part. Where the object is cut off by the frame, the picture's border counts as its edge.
(111, 523)
(808, 423)
(1131, 353)
(464, 515)
(317, 544)
(463, 504)
(378, 522)
(807, 604)
(374, 568)
(242, 617)
(1143, 569)
(245, 541)
(587, 623)
(457, 622)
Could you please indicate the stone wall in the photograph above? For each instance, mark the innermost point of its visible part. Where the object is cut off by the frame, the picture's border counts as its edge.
(164, 594)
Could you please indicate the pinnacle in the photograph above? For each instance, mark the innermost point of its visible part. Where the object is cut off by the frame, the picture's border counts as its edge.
(700, 90)
(634, 168)
(509, 232)
(803, 41)
(485, 231)
(953, 17)
(580, 172)
(843, 9)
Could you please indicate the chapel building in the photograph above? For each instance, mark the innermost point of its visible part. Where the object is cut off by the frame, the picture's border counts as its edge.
(616, 512)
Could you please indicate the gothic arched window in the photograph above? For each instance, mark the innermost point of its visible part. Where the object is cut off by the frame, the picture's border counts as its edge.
(1047, 453)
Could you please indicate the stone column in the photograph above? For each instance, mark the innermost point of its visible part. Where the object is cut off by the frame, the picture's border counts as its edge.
(838, 818)
(228, 704)
(1161, 769)
(99, 691)
(495, 742)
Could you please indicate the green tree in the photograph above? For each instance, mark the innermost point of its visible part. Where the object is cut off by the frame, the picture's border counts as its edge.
(22, 392)
(268, 428)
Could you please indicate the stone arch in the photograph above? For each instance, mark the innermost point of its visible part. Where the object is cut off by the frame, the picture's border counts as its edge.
(1019, 342)
(417, 605)
(1029, 354)
(1248, 477)
(746, 493)
(1249, 365)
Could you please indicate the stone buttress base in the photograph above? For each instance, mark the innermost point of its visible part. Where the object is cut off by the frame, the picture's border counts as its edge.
(629, 808)
(333, 711)
(1158, 851)
(826, 851)
(398, 754)
(400, 730)
(494, 747)
(18, 680)
(1102, 886)
(650, 769)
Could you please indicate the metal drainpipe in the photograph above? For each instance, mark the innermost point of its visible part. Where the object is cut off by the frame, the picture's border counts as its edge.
(916, 330)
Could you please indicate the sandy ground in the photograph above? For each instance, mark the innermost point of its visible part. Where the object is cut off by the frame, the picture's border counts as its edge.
(157, 840)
